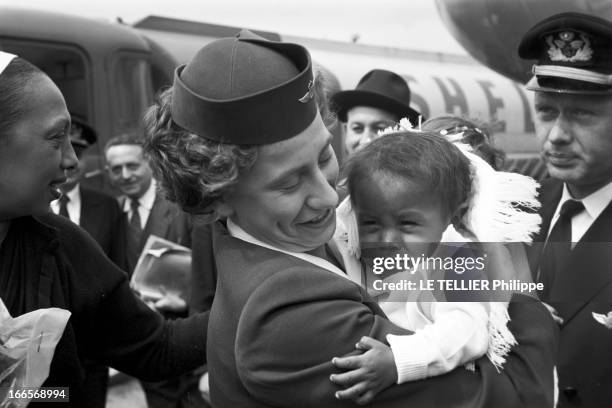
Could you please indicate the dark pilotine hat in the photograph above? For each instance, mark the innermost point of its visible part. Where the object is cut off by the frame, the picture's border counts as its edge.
(573, 53)
(379, 89)
(245, 90)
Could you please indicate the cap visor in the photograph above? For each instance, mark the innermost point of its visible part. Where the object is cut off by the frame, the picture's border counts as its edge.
(534, 85)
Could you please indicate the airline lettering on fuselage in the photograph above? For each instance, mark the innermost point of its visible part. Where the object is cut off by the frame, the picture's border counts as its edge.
(416, 99)
(529, 126)
(454, 98)
(494, 102)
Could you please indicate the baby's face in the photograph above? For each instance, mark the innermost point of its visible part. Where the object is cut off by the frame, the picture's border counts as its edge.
(398, 212)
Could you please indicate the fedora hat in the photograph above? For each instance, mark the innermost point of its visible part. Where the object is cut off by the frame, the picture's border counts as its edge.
(379, 89)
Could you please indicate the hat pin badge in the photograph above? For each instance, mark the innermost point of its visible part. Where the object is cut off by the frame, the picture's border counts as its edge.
(569, 46)
(310, 94)
(605, 320)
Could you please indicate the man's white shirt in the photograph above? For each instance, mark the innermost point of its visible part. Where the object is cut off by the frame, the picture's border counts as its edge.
(594, 204)
(145, 205)
(73, 205)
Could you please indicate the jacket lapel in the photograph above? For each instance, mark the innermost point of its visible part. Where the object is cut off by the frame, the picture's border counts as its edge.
(550, 194)
(235, 255)
(588, 271)
(158, 221)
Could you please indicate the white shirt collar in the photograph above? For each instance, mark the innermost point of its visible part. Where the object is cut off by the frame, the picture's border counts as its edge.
(73, 206)
(75, 193)
(594, 203)
(237, 232)
(146, 201)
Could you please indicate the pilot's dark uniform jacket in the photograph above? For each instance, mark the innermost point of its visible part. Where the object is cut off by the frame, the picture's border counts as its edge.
(574, 56)
(581, 286)
(50, 262)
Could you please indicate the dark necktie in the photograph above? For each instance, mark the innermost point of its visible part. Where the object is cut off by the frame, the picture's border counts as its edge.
(63, 206)
(559, 246)
(562, 231)
(135, 220)
(135, 234)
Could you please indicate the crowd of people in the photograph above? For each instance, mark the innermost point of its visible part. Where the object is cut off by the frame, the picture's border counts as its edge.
(287, 306)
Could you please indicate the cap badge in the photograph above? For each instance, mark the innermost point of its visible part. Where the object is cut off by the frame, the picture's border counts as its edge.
(569, 46)
(310, 94)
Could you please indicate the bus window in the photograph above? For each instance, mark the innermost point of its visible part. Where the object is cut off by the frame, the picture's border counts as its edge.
(66, 65)
(132, 90)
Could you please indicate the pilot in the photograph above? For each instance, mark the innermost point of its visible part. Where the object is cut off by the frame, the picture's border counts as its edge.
(573, 102)
(380, 100)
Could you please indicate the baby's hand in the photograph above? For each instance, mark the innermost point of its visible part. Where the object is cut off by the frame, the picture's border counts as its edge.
(366, 374)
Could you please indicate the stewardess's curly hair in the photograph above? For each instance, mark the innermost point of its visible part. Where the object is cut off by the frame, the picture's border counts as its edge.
(193, 171)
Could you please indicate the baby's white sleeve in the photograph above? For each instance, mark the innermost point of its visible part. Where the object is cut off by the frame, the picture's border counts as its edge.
(458, 334)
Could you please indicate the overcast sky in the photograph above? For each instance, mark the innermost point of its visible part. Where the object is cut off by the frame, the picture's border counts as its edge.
(412, 24)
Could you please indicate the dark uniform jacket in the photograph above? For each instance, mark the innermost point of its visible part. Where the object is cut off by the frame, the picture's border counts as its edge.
(277, 321)
(61, 266)
(580, 287)
(102, 218)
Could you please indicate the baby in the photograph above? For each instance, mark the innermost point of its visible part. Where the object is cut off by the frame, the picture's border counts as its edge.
(408, 192)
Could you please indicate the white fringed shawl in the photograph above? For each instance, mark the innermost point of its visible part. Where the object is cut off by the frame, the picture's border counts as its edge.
(496, 213)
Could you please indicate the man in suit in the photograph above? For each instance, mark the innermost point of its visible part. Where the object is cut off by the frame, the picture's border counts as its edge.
(573, 102)
(380, 100)
(148, 213)
(96, 212)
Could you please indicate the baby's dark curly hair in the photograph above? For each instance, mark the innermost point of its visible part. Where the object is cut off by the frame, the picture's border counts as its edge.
(425, 158)
(193, 171)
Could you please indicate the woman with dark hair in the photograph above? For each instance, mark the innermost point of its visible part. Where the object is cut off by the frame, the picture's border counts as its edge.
(238, 138)
(47, 261)
(470, 133)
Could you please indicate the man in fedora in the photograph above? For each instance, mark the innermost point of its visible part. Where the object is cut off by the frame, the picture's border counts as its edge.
(380, 100)
(573, 103)
(96, 212)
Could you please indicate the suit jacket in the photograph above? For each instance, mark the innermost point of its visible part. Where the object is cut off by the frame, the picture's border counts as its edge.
(277, 321)
(166, 220)
(577, 289)
(102, 218)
